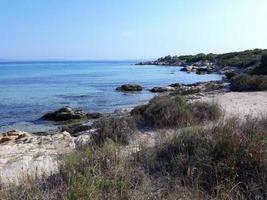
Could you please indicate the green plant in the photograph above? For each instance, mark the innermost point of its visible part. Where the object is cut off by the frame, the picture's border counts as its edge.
(204, 112)
(262, 68)
(249, 83)
(175, 111)
(230, 75)
(117, 129)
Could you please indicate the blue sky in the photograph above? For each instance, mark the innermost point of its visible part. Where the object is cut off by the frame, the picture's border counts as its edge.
(128, 29)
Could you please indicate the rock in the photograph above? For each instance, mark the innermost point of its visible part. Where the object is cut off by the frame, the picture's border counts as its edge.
(129, 88)
(13, 135)
(82, 141)
(5, 139)
(209, 86)
(77, 129)
(94, 115)
(23, 154)
(187, 68)
(123, 111)
(65, 114)
(187, 90)
(202, 68)
(162, 89)
(176, 85)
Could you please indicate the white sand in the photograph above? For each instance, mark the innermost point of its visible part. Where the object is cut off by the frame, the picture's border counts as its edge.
(241, 104)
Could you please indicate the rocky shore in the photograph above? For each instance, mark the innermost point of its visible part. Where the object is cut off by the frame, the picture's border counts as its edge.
(199, 67)
(237, 62)
(23, 153)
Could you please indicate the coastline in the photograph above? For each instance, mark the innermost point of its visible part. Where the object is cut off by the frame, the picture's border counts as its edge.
(39, 154)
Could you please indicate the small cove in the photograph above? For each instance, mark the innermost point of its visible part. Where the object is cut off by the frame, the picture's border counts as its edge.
(30, 89)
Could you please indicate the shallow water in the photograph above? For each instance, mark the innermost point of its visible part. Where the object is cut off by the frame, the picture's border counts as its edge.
(30, 89)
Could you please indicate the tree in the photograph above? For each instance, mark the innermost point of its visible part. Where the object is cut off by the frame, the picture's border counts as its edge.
(262, 68)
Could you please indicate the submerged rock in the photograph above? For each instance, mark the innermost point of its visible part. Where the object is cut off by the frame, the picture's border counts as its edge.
(65, 114)
(129, 88)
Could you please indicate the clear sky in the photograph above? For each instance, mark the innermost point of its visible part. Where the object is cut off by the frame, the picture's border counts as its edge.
(128, 29)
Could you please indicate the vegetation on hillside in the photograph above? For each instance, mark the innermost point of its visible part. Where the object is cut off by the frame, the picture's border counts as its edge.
(243, 59)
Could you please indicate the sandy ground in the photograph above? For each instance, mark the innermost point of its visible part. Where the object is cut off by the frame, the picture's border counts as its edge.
(240, 104)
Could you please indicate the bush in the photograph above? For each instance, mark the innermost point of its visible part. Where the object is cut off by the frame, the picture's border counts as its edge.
(169, 111)
(230, 75)
(262, 68)
(227, 161)
(204, 112)
(163, 111)
(117, 129)
(249, 83)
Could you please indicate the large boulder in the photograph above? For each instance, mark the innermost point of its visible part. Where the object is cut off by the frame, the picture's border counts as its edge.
(129, 88)
(65, 114)
(162, 89)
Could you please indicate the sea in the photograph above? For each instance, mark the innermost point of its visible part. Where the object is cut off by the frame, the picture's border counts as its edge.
(29, 89)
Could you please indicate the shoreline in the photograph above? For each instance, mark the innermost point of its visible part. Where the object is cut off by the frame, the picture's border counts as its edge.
(29, 150)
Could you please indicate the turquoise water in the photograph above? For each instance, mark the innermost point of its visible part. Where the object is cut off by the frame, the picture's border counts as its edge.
(30, 89)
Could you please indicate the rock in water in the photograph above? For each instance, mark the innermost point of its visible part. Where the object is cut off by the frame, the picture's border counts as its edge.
(65, 114)
(129, 88)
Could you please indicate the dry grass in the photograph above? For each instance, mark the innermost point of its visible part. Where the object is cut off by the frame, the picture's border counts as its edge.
(227, 161)
(96, 173)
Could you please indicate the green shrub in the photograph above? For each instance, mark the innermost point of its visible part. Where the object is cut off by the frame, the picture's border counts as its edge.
(249, 83)
(204, 112)
(174, 111)
(117, 129)
(230, 75)
(227, 160)
(262, 68)
(163, 111)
